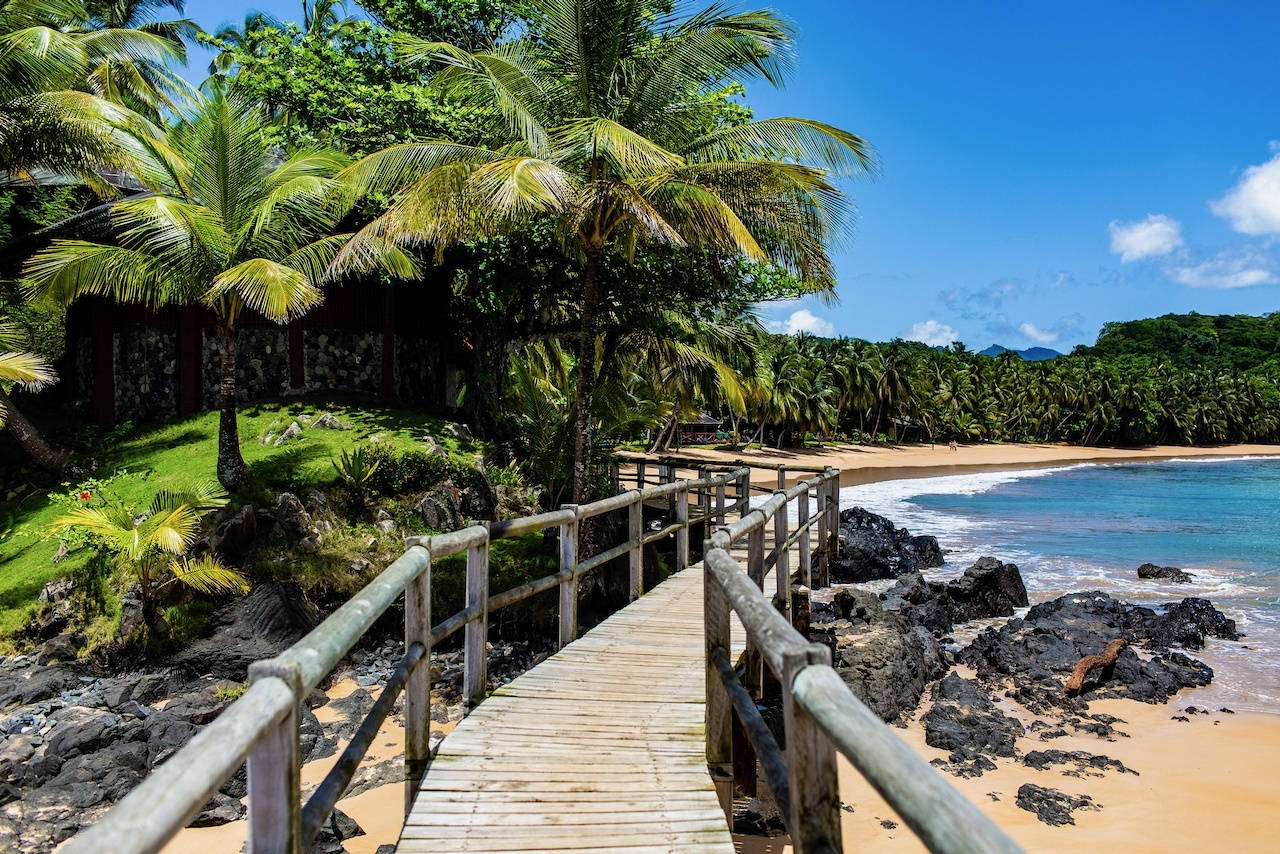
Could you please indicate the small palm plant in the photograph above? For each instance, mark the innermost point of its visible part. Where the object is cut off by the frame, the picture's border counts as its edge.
(355, 469)
(148, 546)
(20, 367)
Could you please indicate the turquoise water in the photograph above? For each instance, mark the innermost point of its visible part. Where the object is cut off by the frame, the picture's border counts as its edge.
(1090, 526)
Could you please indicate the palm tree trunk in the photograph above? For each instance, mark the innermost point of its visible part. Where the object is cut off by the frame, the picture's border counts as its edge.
(28, 437)
(232, 471)
(586, 386)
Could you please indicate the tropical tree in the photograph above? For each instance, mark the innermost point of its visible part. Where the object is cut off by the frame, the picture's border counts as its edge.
(22, 368)
(149, 85)
(600, 125)
(230, 224)
(149, 547)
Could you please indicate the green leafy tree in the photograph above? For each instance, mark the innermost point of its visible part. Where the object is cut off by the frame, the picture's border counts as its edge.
(595, 115)
(229, 224)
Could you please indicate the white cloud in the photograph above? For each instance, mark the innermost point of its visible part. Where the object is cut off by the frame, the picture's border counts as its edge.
(933, 333)
(1035, 333)
(804, 320)
(1147, 238)
(1252, 206)
(1241, 269)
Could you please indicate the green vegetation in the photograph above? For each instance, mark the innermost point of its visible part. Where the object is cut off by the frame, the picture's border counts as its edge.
(1231, 342)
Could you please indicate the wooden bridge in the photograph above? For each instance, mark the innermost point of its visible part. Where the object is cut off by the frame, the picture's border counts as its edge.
(624, 740)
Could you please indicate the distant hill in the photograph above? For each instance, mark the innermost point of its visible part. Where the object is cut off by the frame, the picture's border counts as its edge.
(1238, 342)
(1031, 354)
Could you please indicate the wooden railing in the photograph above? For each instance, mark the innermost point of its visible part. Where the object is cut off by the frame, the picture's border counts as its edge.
(821, 717)
(261, 727)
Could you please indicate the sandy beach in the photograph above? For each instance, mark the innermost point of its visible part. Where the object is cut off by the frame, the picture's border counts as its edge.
(862, 464)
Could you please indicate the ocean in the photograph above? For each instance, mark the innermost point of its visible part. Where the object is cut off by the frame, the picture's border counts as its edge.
(1089, 527)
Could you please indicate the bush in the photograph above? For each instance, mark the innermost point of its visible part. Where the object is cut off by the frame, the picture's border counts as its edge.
(416, 471)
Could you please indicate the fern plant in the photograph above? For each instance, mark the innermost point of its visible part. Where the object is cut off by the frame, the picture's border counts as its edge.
(151, 547)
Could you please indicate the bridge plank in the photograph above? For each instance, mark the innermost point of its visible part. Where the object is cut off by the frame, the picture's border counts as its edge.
(600, 748)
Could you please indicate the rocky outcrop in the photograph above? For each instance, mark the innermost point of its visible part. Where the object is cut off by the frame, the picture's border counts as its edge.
(1165, 573)
(261, 625)
(1033, 656)
(1082, 762)
(989, 588)
(884, 658)
(964, 721)
(232, 538)
(1052, 806)
(872, 547)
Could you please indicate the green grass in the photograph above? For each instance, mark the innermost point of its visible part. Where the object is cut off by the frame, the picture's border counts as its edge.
(137, 462)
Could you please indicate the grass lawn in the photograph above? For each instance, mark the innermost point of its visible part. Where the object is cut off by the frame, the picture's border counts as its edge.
(139, 461)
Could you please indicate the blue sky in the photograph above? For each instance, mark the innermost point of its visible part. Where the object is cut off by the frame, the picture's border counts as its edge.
(1046, 167)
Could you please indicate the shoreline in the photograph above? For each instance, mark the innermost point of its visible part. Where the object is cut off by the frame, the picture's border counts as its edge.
(860, 464)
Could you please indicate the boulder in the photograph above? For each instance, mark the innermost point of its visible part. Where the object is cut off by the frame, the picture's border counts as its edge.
(1165, 573)
(326, 421)
(291, 515)
(233, 537)
(441, 508)
(292, 432)
(261, 625)
(989, 588)
(884, 658)
(965, 721)
(56, 591)
(872, 547)
(64, 647)
(1052, 806)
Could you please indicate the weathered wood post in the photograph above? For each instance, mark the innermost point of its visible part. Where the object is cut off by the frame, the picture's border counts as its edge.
(801, 609)
(640, 467)
(782, 477)
(753, 677)
(719, 708)
(275, 798)
(744, 494)
(417, 688)
(720, 502)
(681, 496)
(635, 530)
(811, 763)
(802, 525)
(615, 475)
(669, 476)
(782, 567)
(824, 551)
(833, 525)
(569, 586)
(475, 676)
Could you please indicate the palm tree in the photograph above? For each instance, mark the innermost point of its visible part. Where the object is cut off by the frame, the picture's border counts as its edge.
(601, 126)
(22, 368)
(148, 545)
(229, 224)
(149, 86)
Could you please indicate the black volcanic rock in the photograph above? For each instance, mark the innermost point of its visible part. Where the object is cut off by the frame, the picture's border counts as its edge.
(1052, 806)
(872, 547)
(989, 588)
(965, 721)
(1165, 573)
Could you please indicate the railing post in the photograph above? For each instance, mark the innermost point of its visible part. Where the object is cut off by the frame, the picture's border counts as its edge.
(824, 550)
(569, 586)
(640, 467)
(719, 708)
(475, 677)
(682, 533)
(417, 688)
(782, 477)
(274, 779)
(720, 503)
(802, 525)
(669, 476)
(833, 525)
(635, 530)
(744, 494)
(811, 764)
(782, 567)
(615, 472)
(753, 677)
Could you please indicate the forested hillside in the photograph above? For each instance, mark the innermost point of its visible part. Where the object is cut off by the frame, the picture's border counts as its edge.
(1238, 342)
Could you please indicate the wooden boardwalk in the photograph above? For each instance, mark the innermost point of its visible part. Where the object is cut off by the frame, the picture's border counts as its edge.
(599, 748)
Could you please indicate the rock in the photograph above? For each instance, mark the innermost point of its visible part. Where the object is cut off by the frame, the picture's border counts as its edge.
(1033, 656)
(1084, 763)
(1165, 573)
(78, 730)
(34, 685)
(349, 711)
(1052, 806)
(261, 625)
(233, 537)
(441, 508)
(884, 658)
(221, 809)
(309, 545)
(56, 591)
(459, 431)
(292, 432)
(359, 565)
(386, 526)
(64, 647)
(871, 548)
(292, 516)
(326, 421)
(131, 616)
(989, 588)
(964, 721)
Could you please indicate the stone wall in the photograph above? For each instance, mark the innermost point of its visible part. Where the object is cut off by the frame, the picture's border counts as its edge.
(262, 365)
(146, 363)
(419, 371)
(351, 361)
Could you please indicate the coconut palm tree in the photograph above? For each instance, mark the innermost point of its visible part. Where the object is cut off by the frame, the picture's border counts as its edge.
(600, 118)
(230, 224)
(22, 368)
(150, 545)
(149, 86)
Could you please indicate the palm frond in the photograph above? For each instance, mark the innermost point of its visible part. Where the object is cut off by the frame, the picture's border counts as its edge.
(272, 289)
(207, 575)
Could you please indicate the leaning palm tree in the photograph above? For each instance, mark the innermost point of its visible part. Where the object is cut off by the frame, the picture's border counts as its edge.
(22, 368)
(601, 122)
(229, 224)
(151, 545)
